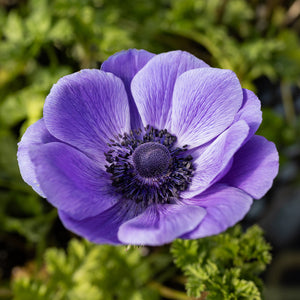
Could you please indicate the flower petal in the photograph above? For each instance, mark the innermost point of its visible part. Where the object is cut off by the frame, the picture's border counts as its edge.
(250, 112)
(254, 167)
(152, 87)
(36, 134)
(205, 102)
(125, 65)
(214, 160)
(86, 109)
(102, 228)
(71, 181)
(225, 207)
(160, 224)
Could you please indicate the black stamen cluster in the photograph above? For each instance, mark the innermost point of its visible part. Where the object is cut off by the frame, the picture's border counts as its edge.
(164, 188)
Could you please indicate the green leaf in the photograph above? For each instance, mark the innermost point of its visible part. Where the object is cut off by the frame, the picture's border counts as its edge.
(93, 272)
(226, 266)
(14, 29)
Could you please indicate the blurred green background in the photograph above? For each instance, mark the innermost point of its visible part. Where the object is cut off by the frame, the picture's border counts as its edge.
(42, 40)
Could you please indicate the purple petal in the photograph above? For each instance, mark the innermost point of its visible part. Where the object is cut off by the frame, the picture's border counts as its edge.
(160, 224)
(36, 134)
(86, 109)
(102, 228)
(214, 160)
(71, 181)
(152, 87)
(125, 65)
(225, 207)
(250, 112)
(254, 167)
(205, 103)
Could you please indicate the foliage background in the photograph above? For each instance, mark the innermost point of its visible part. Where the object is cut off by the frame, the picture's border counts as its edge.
(42, 40)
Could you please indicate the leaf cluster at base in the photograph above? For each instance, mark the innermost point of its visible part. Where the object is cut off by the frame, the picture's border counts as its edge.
(89, 271)
(226, 266)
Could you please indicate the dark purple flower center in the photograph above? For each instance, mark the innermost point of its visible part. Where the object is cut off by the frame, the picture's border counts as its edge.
(151, 160)
(146, 167)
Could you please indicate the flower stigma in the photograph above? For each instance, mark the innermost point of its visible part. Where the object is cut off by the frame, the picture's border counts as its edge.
(151, 159)
(147, 168)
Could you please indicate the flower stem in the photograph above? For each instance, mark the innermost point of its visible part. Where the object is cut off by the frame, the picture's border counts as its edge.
(172, 294)
(288, 104)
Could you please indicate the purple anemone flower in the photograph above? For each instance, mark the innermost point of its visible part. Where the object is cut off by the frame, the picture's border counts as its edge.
(148, 149)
